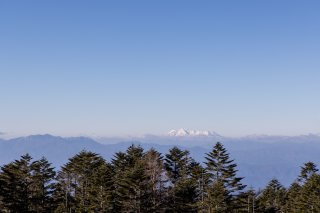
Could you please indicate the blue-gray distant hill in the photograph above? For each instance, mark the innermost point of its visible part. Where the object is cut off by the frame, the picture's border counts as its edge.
(259, 158)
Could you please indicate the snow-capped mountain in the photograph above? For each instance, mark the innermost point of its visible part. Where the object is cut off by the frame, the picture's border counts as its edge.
(185, 132)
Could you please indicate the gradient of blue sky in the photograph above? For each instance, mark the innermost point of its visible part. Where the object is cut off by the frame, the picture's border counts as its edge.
(134, 67)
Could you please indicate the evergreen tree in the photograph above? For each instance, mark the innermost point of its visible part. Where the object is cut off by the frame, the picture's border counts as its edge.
(42, 186)
(15, 185)
(82, 183)
(183, 193)
(154, 169)
(307, 170)
(217, 199)
(119, 165)
(273, 197)
(101, 194)
(27, 186)
(177, 164)
(200, 178)
(133, 155)
(250, 201)
(246, 201)
(137, 189)
(222, 178)
(132, 186)
(309, 199)
(138, 181)
(293, 198)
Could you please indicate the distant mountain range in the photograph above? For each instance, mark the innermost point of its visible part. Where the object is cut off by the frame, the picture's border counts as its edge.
(259, 158)
(193, 133)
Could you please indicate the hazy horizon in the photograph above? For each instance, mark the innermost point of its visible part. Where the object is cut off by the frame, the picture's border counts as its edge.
(8, 136)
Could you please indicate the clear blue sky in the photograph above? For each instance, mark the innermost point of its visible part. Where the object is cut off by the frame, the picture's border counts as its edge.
(133, 67)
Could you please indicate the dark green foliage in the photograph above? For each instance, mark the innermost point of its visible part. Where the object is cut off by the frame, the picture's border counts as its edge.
(177, 164)
(119, 165)
(42, 186)
(273, 197)
(246, 201)
(304, 195)
(141, 182)
(293, 198)
(15, 185)
(154, 169)
(200, 178)
(83, 184)
(27, 186)
(183, 188)
(310, 195)
(223, 182)
(133, 187)
(217, 197)
(307, 170)
(222, 168)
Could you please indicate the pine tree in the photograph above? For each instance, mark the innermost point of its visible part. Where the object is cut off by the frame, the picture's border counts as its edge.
(177, 164)
(200, 179)
(154, 169)
(119, 165)
(101, 194)
(138, 189)
(42, 186)
(246, 201)
(133, 155)
(138, 181)
(309, 199)
(132, 186)
(15, 185)
(79, 188)
(222, 178)
(307, 170)
(273, 197)
(293, 198)
(183, 192)
(249, 205)
(217, 199)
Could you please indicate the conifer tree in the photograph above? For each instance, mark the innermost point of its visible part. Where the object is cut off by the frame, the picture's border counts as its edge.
(79, 187)
(249, 205)
(222, 179)
(15, 185)
(134, 154)
(119, 165)
(137, 189)
(154, 169)
(101, 195)
(246, 201)
(200, 179)
(183, 192)
(132, 188)
(307, 170)
(273, 197)
(309, 199)
(177, 164)
(42, 185)
(138, 181)
(293, 198)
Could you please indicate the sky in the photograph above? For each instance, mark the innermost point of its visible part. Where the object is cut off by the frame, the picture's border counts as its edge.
(111, 68)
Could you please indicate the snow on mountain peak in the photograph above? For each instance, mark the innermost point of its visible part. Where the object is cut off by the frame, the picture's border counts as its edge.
(185, 132)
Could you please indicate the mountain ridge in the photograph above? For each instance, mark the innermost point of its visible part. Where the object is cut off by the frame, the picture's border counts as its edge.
(192, 133)
(259, 160)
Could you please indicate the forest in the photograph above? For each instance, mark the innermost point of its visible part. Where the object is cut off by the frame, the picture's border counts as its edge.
(139, 180)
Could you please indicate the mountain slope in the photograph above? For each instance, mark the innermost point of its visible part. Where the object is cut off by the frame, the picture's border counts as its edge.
(191, 133)
(259, 159)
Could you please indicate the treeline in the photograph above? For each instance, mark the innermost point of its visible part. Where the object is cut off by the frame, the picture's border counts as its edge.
(146, 181)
